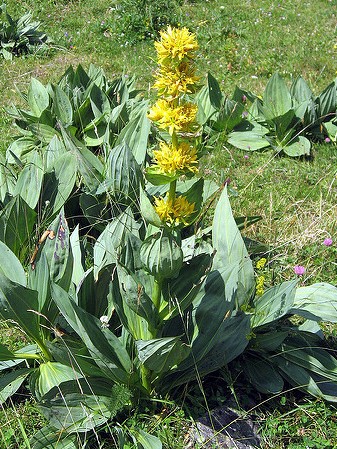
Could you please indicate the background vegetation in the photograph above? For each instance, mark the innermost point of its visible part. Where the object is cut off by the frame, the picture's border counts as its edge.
(240, 44)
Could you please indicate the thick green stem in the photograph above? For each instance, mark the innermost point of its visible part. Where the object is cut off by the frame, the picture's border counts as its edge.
(156, 293)
(174, 140)
(46, 355)
(27, 356)
(172, 191)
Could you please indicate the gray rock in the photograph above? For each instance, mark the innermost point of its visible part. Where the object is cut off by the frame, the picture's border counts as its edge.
(225, 428)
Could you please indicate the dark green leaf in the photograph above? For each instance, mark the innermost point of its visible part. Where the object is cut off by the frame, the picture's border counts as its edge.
(17, 220)
(11, 382)
(162, 354)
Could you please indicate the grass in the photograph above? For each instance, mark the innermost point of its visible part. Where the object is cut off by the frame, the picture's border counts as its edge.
(296, 198)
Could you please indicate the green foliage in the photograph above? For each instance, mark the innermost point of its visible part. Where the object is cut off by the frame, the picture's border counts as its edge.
(286, 426)
(287, 120)
(138, 20)
(20, 36)
(91, 109)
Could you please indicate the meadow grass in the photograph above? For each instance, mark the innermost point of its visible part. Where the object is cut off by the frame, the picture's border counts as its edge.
(240, 44)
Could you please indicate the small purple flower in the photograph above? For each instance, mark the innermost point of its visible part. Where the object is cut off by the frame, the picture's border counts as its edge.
(327, 242)
(327, 140)
(246, 156)
(299, 270)
(244, 98)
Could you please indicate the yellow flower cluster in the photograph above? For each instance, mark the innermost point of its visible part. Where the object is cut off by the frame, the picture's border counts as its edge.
(174, 160)
(174, 213)
(260, 285)
(174, 113)
(175, 44)
(261, 263)
(176, 81)
(171, 117)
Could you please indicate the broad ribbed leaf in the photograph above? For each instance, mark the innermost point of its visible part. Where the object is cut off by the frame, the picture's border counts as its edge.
(29, 181)
(229, 245)
(43, 132)
(215, 95)
(304, 380)
(100, 104)
(7, 179)
(298, 147)
(39, 280)
(327, 101)
(50, 375)
(230, 115)
(52, 152)
(136, 134)
(112, 239)
(94, 295)
(123, 176)
(214, 348)
(317, 360)
(316, 302)
(19, 149)
(88, 165)
(136, 298)
(162, 354)
(49, 438)
(62, 107)
(104, 347)
(147, 210)
(262, 375)
(76, 249)
(182, 290)
(248, 140)
(37, 97)
(302, 96)
(276, 97)
(83, 404)
(212, 309)
(5, 353)
(11, 382)
(18, 303)
(59, 182)
(17, 220)
(11, 266)
(205, 108)
(269, 341)
(146, 440)
(274, 303)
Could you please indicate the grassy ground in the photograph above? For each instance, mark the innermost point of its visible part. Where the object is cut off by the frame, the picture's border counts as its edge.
(241, 44)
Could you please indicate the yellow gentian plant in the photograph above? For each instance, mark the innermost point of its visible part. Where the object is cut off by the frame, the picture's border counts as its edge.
(175, 113)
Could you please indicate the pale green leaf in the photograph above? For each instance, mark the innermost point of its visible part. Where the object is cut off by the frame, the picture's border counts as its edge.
(11, 266)
(38, 97)
(274, 303)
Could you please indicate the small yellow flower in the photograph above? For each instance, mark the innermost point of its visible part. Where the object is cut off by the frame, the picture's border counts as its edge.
(173, 118)
(260, 285)
(178, 160)
(174, 213)
(172, 83)
(261, 263)
(175, 44)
